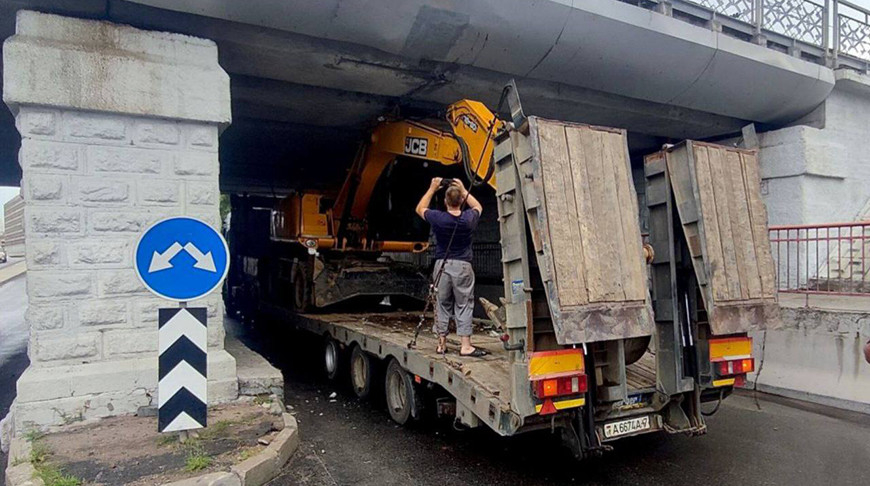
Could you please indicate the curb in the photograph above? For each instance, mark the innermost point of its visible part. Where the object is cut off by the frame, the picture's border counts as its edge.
(254, 471)
(12, 271)
(22, 473)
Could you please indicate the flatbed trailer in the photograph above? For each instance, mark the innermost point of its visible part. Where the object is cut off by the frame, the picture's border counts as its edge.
(593, 341)
(480, 386)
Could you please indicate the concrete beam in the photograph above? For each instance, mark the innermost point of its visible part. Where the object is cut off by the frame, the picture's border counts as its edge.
(608, 46)
(317, 70)
(52, 60)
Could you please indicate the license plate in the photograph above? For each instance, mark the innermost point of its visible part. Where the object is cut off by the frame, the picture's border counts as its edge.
(626, 427)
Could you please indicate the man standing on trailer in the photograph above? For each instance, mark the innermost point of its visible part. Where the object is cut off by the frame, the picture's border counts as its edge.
(453, 273)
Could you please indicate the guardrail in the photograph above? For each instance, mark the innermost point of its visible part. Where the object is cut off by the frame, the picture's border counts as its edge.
(830, 32)
(852, 33)
(825, 258)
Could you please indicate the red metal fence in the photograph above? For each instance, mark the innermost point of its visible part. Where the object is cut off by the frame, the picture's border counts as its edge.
(822, 258)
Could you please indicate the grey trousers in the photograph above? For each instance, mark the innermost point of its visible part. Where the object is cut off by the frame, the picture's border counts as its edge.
(455, 297)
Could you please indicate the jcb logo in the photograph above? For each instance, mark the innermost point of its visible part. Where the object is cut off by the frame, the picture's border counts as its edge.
(416, 146)
(469, 123)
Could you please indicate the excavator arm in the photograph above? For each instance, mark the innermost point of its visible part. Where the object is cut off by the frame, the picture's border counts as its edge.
(470, 143)
(333, 256)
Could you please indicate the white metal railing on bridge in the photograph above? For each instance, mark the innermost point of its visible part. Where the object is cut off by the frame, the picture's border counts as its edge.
(828, 29)
(853, 31)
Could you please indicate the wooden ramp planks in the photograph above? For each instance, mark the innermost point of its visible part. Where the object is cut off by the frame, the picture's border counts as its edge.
(717, 191)
(592, 236)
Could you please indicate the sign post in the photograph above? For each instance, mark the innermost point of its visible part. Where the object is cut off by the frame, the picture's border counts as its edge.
(182, 259)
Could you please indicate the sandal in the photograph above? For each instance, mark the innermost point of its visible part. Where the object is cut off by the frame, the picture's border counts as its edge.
(477, 353)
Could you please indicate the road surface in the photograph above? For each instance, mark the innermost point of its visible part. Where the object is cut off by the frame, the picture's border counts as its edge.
(13, 345)
(345, 441)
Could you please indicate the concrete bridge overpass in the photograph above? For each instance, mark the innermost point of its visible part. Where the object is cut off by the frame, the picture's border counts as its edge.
(120, 128)
(308, 77)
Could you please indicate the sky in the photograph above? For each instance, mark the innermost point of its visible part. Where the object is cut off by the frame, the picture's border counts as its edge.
(860, 3)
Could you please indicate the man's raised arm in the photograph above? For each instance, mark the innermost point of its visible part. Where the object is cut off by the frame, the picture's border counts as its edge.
(423, 205)
(472, 201)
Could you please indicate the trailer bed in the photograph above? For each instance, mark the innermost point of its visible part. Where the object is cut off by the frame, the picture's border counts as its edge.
(482, 385)
(641, 375)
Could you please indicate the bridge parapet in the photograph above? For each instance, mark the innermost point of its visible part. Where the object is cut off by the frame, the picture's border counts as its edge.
(834, 33)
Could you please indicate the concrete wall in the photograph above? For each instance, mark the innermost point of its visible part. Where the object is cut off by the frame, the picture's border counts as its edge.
(816, 356)
(820, 172)
(119, 129)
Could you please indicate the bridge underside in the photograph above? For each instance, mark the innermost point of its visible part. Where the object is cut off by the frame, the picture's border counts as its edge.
(303, 98)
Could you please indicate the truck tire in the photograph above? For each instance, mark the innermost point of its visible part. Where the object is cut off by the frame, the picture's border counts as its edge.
(403, 401)
(331, 358)
(362, 372)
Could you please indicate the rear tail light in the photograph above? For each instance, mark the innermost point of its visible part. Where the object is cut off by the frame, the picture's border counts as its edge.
(560, 386)
(735, 367)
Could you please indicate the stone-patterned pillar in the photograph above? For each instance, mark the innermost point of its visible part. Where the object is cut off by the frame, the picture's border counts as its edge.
(119, 129)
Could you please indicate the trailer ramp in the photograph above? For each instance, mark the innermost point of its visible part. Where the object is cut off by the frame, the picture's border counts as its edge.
(717, 191)
(583, 215)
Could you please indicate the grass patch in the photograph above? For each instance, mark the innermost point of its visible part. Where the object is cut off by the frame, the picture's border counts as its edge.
(167, 439)
(39, 453)
(53, 476)
(261, 399)
(197, 461)
(33, 435)
(197, 458)
(216, 430)
(248, 453)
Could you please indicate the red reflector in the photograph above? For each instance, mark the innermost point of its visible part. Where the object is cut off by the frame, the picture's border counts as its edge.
(548, 407)
(735, 367)
(563, 385)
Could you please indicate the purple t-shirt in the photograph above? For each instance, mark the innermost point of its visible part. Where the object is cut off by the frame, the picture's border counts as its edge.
(443, 224)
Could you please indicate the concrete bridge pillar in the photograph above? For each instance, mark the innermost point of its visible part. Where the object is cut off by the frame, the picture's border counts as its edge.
(119, 128)
(818, 171)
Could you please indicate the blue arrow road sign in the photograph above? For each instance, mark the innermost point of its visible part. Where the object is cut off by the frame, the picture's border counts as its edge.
(181, 258)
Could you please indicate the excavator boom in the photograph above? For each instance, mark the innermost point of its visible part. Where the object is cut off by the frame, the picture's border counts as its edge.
(474, 127)
(309, 222)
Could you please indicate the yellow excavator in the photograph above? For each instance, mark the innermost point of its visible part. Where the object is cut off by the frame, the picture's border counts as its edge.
(336, 250)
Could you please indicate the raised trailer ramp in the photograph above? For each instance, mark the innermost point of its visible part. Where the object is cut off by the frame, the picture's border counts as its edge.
(481, 386)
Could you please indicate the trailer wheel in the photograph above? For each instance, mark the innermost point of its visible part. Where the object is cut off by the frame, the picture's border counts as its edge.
(403, 401)
(361, 372)
(331, 360)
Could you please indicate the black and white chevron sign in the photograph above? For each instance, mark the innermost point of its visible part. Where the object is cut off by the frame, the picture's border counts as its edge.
(183, 375)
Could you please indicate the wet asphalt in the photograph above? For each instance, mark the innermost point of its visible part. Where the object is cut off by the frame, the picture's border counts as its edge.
(13, 346)
(752, 440)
